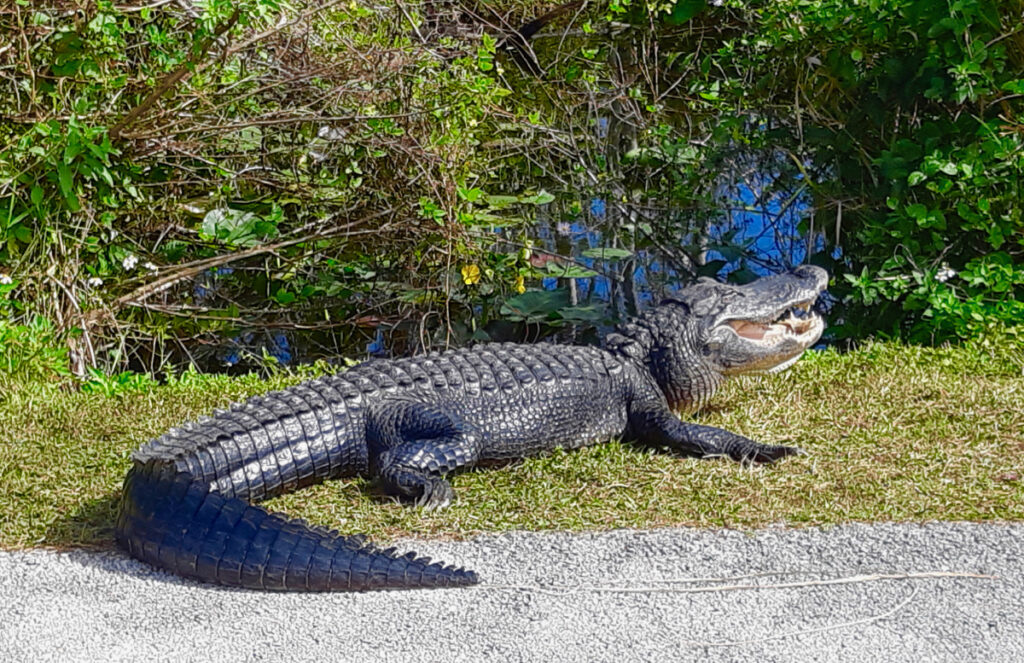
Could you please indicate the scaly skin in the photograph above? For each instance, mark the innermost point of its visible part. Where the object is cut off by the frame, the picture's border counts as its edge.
(188, 501)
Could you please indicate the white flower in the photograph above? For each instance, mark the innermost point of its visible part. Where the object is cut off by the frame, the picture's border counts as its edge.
(5, 279)
(94, 282)
(328, 132)
(945, 274)
(151, 267)
(129, 262)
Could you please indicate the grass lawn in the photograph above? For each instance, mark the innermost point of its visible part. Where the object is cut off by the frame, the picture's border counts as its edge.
(894, 433)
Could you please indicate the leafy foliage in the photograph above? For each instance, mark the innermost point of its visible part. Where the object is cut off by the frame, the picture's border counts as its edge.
(31, 352)
(903, 119)
(171, 174)
(175, 175)
(99, 382)
(936, 222)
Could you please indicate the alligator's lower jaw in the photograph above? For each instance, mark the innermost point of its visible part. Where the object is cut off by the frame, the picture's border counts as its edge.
(778, 368)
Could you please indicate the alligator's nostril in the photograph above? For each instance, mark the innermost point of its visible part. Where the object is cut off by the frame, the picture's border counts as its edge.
(811, 272)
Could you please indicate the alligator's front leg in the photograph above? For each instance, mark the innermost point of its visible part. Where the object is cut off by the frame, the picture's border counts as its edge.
(413, 445)
(652, 422)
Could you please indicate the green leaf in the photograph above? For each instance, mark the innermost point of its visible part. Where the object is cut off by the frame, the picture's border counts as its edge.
(501, 202)
(470, 195)
(542, 198)
(1015, 87)
(607, 253)
(535, 305)
(21, 233)
(711, 268)
(917, 211)
(684, 10)
(916, 178)
(284, 297)
(235, 228)
(568, 271)
(65, 179)
(588, 313)
(37, 195)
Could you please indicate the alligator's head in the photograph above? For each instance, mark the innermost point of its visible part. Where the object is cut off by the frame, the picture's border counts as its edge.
(712, 330)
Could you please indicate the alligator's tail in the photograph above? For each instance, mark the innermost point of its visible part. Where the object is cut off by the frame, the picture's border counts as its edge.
(173, 519)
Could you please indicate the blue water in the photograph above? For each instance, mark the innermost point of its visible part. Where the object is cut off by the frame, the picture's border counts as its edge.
(767, 238)
(763, 240)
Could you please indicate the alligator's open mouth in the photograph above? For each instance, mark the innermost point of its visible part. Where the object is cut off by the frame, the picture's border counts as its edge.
(771, 345)
(797, 322)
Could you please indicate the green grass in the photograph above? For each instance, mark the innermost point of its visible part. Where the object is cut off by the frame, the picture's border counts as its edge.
(894, 433)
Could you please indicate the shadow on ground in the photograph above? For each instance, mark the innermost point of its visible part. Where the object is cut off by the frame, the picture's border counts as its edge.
(90, 525)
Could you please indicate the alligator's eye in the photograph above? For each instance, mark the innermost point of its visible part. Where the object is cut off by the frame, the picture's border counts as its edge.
(713, 345)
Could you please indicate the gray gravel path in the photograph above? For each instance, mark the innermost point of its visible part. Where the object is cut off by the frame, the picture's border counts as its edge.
(615, 596)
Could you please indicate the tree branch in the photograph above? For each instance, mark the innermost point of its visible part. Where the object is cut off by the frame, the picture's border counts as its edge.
(173, 78)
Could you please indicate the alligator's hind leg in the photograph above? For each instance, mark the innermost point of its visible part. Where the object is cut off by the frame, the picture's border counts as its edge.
(413, 445)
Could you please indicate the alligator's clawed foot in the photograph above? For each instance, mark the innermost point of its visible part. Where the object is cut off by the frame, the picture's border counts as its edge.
(769, 453)
(437, 494)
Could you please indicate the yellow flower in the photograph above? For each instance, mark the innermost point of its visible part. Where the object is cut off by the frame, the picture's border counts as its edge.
(470, 274)
(520, 284)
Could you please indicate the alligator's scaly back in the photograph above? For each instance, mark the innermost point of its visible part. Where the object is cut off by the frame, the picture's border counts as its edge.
(184, 504)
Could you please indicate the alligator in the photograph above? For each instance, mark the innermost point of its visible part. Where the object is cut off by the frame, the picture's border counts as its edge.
(189, 503)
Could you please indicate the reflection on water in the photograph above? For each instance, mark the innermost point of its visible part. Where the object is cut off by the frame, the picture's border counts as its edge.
(749, 236)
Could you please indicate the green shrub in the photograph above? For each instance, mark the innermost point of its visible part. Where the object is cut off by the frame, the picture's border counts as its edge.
(31, 352)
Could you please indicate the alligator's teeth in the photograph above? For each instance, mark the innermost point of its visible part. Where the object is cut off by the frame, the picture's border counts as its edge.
(801, 311)
(786, 316)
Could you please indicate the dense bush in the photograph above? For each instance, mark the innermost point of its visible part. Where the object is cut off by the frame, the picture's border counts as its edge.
(903, 119)
(178, 174)
(909, 113)
(180, 171)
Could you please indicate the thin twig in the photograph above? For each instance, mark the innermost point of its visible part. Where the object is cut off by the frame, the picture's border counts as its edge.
(820, 629)
(196, 267)
(670, 586)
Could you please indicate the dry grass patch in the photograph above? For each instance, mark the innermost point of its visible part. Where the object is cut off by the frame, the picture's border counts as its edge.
(893, 433)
